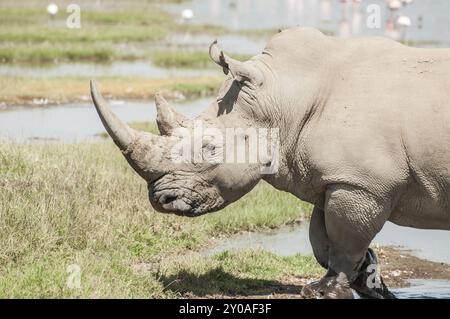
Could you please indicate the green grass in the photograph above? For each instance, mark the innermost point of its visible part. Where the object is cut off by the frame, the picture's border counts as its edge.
(84, 35)
(47, 53)
(27, 36)
(242, 273)
(183, 59)
(197, 89)
(146, 126)
(31, 25)
(22, 16)
(82, 204)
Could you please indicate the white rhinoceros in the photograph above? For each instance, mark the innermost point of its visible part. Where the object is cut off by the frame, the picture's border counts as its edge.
(364, 131)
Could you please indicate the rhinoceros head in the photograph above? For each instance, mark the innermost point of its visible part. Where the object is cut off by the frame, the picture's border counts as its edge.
(186, 167)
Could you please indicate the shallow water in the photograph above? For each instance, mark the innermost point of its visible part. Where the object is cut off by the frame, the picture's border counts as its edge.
(77, 122)
(285, 241)
(424, 289)
(290, 240)
(176, 41)
(429, 18)
(121, 68)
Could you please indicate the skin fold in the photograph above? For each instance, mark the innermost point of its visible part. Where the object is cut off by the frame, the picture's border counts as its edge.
(364, 126)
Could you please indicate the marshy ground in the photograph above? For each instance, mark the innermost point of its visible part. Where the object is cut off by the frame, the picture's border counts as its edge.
(133, 30)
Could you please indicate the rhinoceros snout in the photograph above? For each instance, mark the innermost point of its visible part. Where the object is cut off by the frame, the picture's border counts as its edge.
(171, 200)
(185, 197)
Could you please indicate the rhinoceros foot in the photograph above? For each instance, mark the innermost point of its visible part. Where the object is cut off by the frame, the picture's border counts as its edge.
(369, 284)
(329, 287)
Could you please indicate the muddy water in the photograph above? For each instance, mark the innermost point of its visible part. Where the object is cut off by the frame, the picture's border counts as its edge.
(290, 240)
(429, 18)
(78, 121)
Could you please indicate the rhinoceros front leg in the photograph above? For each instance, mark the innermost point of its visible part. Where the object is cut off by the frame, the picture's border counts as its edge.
(318, 237)
(343, 232)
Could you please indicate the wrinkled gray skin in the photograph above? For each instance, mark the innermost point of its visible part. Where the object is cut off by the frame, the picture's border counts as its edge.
(365, 137)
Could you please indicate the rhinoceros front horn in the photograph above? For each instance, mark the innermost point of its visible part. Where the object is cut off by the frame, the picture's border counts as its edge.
(120, 132)
(143, 151)
(167, 118)
(242, 71)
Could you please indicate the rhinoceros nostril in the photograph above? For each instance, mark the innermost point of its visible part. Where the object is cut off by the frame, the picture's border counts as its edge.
(167, 199)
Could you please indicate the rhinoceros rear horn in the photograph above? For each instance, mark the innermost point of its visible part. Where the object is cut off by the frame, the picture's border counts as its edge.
(167, 118)
(241, 71)
(120, 132)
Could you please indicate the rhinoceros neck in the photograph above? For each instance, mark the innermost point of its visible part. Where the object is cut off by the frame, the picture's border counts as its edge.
(293, 174)
(296, 112)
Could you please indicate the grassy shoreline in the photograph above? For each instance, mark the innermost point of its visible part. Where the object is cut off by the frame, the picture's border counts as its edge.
(25, 91)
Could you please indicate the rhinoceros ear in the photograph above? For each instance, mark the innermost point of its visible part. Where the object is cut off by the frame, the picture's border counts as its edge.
(167, 118)
(241, 71)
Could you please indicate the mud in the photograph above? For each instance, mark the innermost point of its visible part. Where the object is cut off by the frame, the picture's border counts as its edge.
(399, 269)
